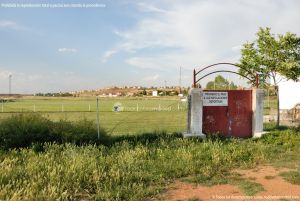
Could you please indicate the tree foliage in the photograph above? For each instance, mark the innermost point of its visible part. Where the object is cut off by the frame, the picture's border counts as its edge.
(271, 56)
(220, 83)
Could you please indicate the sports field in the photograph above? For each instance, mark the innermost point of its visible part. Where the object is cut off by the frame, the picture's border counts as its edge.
(117, 115)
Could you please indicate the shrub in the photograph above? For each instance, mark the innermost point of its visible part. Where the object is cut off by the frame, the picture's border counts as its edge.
(23, 130)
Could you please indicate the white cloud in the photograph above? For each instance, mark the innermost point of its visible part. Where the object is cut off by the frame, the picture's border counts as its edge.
(5, 74)
(237, 48)
(107, 55)
(10, 25)
(29, 82)
(150, 8)
(151, 78)
(69, 73)
(199, 33)
(141, 62)
(64, 49)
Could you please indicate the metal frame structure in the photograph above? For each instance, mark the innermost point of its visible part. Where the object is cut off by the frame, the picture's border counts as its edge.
(195, 80)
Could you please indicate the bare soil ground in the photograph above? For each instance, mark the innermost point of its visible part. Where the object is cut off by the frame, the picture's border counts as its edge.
(275, 188)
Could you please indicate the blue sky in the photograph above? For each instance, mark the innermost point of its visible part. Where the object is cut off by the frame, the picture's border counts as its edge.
(129, 42)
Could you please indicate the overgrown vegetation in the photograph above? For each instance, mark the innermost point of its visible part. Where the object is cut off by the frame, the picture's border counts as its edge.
(126, 167)
(23, 130)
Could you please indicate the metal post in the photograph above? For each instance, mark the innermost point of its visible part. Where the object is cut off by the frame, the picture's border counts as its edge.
(194, 78)
(180, 80)
(2, 106)
(256, 80)
(268, 97)
(98, 120)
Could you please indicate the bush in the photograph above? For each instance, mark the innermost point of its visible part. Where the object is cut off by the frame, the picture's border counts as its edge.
(80, 132)
(23, 130)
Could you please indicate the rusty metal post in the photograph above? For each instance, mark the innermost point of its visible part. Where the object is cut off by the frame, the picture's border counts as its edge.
(194, 78)
(256, 80)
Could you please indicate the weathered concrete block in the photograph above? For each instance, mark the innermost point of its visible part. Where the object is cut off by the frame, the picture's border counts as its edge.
(258, 112)
(195, 114)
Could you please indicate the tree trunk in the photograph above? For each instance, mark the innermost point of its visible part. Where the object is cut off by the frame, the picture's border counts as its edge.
(278, 109)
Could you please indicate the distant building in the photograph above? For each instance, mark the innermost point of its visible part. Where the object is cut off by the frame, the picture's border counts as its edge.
(154, 93)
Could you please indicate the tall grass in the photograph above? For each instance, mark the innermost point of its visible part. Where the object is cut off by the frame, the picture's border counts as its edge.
(129, 168)
(24, 129)
(124, 171)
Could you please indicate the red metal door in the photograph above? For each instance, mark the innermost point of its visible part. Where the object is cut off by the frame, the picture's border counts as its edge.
(233, 120)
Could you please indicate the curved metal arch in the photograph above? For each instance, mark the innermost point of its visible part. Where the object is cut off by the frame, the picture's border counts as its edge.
(223, 71)
(222, 63)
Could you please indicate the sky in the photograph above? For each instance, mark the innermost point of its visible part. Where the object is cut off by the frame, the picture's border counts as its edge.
(128, 42)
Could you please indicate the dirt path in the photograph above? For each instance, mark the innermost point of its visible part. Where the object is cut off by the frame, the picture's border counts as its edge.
(276, 188)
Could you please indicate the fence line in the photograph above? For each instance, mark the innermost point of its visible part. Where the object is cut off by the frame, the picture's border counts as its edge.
(8, 108)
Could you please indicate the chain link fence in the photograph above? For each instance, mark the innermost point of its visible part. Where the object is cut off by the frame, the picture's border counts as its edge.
(117, 116)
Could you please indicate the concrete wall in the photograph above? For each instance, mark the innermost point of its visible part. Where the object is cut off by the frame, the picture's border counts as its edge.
(195, 112)
(258, 112)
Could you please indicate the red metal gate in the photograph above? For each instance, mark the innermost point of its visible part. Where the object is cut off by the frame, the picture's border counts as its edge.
(233, 120)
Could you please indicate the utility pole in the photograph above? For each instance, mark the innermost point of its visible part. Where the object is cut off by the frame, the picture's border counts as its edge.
(9, 84)
(180, 80)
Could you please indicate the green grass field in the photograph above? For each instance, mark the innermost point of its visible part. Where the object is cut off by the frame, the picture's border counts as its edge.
(138, 115)
(53, 104)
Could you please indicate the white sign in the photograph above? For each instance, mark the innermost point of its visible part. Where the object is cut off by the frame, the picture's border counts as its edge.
(215, 98)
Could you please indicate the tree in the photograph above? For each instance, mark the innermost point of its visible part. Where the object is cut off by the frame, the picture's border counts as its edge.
(144, 92)
(273, 57)
(220, 83)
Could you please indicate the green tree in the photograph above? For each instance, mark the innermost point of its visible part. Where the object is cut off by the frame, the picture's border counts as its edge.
(273, 57)
(144, 92)
(220, 83)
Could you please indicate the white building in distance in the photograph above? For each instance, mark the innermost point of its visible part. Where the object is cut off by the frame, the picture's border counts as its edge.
(154, 93)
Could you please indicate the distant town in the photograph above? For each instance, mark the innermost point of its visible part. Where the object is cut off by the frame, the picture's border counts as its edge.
(115, 91)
